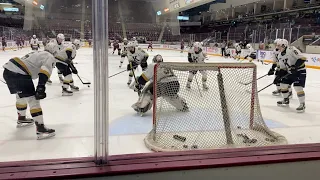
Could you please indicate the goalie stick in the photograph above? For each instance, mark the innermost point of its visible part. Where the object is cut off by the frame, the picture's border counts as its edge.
(251, 81)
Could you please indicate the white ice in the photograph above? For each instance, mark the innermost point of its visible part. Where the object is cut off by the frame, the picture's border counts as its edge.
(72, 117)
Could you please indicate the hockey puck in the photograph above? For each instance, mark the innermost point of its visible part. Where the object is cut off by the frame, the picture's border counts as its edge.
(179, 138)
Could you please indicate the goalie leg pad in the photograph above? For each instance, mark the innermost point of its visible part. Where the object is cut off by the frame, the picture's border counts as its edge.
(169, 89)
(144, 103)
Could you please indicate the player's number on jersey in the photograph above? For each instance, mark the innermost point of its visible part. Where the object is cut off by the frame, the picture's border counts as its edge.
(27, 55)
(296, 52)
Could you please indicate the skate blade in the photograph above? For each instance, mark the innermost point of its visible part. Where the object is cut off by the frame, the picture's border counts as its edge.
(300, 111)
(69, 94)
(276, 94)
(22, 125)
(283, 105)
(45, 136)
(75, 90)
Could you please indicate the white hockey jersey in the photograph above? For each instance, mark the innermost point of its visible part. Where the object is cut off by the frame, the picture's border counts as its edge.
(138, 55)
(34, 42)
(163, 74)
(238, 48)
(123, 47)
(197, 58)
(289, 57)
(32, 64)
(251, 50)
(62, 56)
(60, 47)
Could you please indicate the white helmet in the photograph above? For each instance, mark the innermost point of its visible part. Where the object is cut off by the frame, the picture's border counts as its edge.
(248, 46)
(125, 39)
(197, 45)
(77, 43)
(134, 38)
(34, 36)
(282, 43)
(60, 37)
(276, 41)
(157, 58)
(51, 48)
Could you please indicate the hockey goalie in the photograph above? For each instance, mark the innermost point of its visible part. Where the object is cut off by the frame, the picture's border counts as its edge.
(168, 87)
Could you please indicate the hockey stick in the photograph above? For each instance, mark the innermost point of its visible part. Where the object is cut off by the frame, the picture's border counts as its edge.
(117, 73)
(198, 85)
(84, 83)
(251, 81)
(270, 84)
(3, 81)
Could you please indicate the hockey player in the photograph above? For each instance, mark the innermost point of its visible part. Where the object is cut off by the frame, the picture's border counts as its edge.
(168, 88)
(18, 74)
(274, 70)
(227, 52)
(292, 70)
(136, 57)
(182, 46)
(196, 55)
(59, 47)
(66, 67)
(123, 51)
(34, 42)
(238, 51)
(116, 46)
(252, 53)
(150, 46)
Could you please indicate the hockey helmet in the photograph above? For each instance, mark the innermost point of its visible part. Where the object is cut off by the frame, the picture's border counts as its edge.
(51, 48)
(131, 45)
(157, 58)
(248, 46)
(125, 39)
(197, 46)
(282, 43)
(60, 38)
(77, 43)
(34, 36)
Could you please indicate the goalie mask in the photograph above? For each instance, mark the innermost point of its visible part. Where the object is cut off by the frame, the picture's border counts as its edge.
(157, 58)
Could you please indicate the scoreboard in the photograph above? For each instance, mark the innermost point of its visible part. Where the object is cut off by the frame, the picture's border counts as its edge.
(168, 6)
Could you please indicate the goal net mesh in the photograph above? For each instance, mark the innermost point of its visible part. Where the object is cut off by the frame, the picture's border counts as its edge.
(225, 115)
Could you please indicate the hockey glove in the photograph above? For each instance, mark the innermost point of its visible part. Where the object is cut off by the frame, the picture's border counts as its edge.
(271, 72)
(73, 68)
(40, 92)
(292, 70)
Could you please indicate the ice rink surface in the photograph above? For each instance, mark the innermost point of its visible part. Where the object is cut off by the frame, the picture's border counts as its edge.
(72, 117)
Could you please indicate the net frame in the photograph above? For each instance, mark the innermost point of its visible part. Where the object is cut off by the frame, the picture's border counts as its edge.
(150, 140)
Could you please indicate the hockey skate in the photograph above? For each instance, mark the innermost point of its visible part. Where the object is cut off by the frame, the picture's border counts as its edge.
(301, 108)
(74, 88)
(205, 87)
(43, 132)
(49, 82)
(285, 102)
(66, 92)
(276, 93)
(23, 122)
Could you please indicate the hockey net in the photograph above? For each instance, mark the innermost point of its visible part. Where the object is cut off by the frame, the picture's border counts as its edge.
(227, 115)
